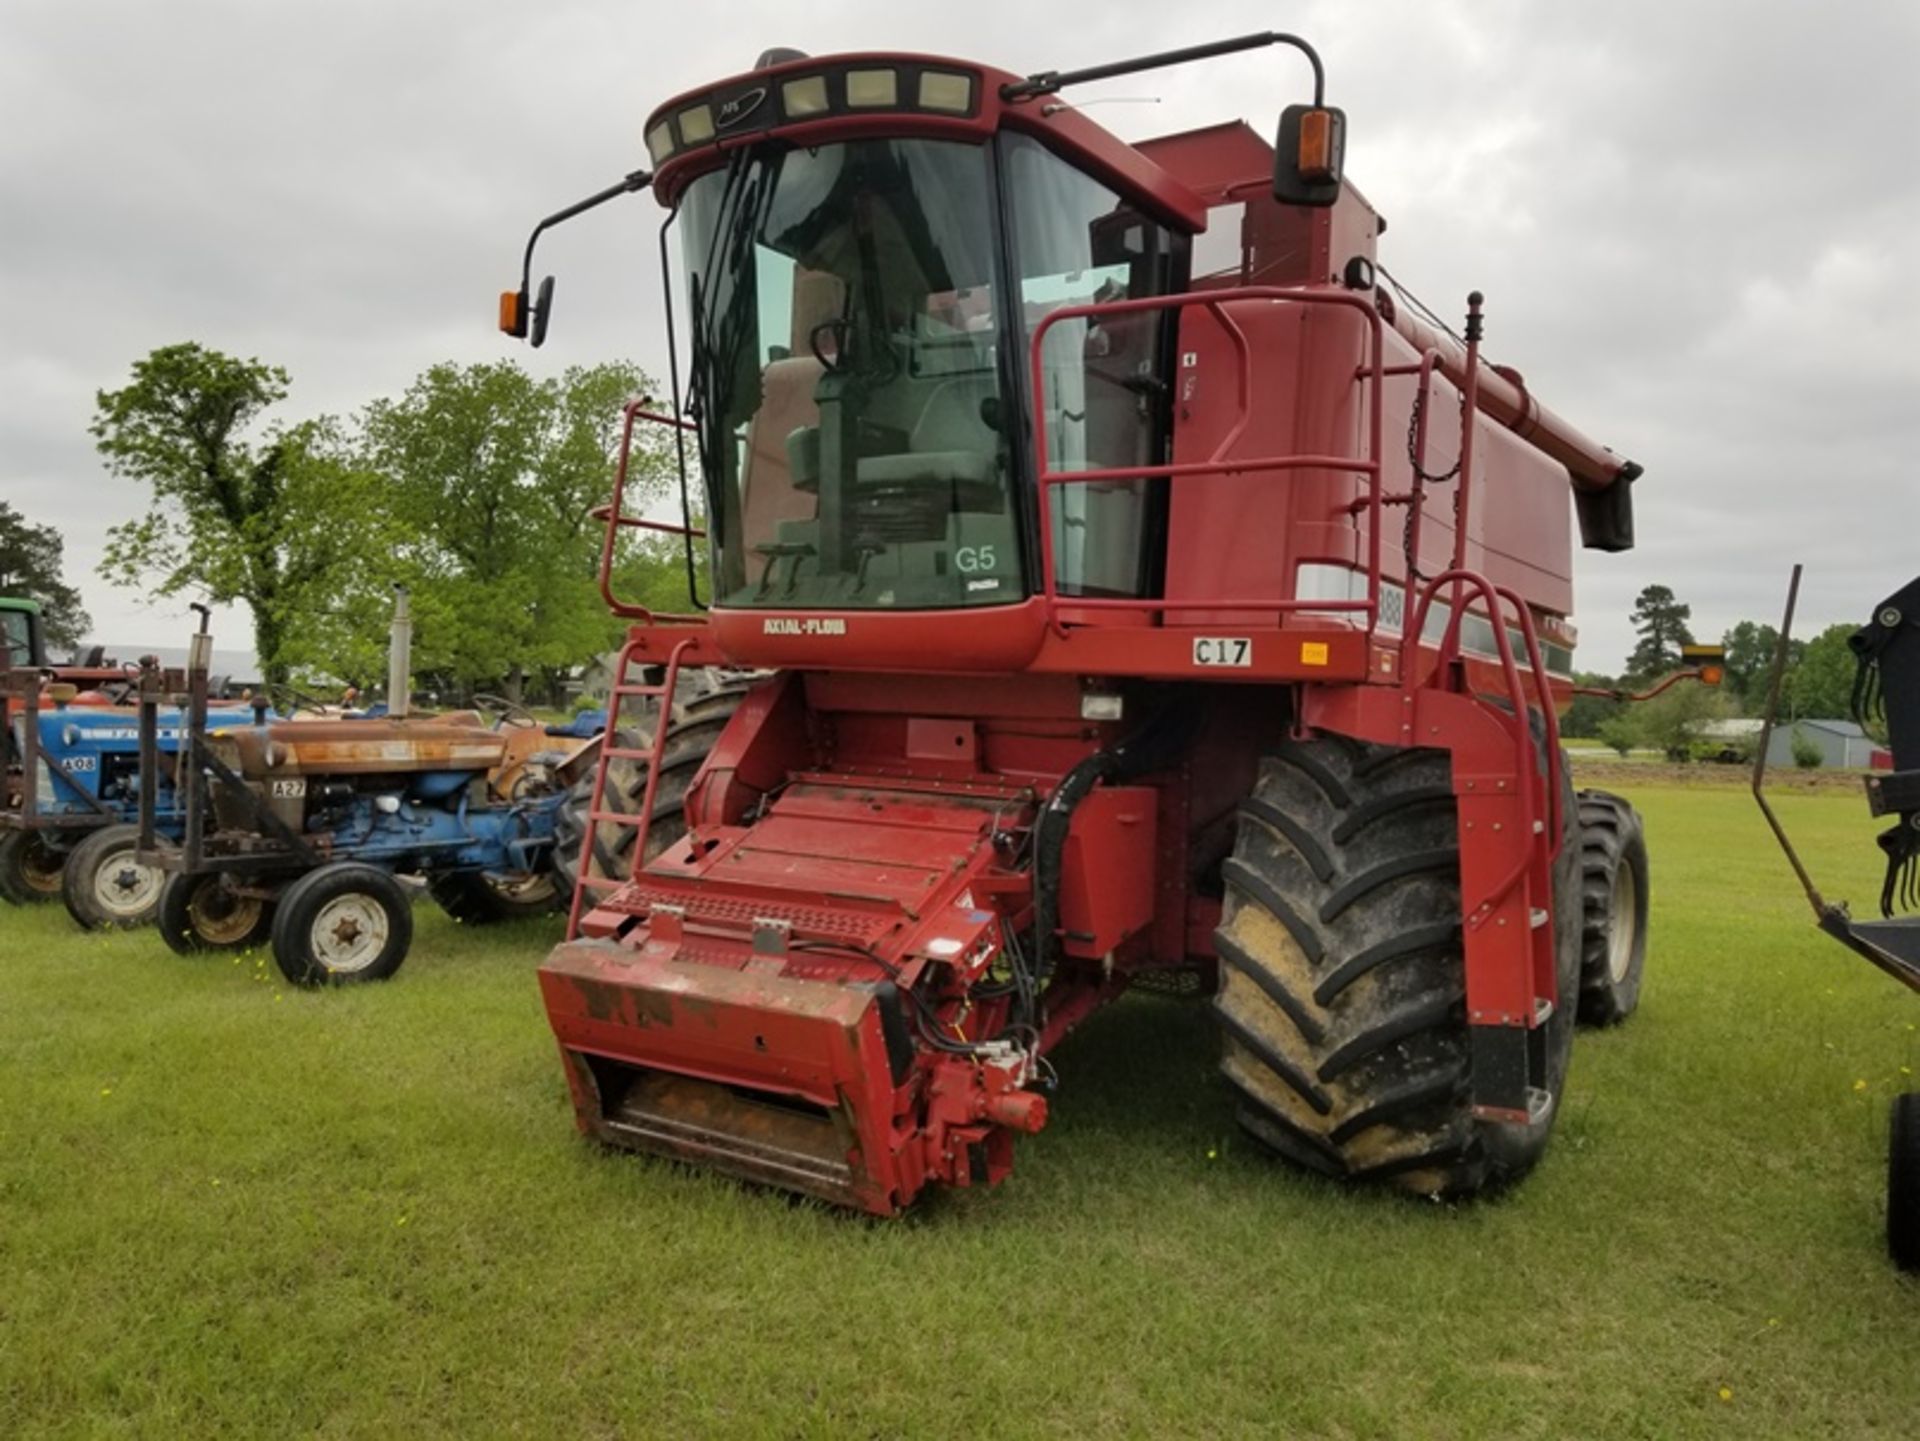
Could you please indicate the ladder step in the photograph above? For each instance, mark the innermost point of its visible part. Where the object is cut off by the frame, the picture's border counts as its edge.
(615, 818)
(627, 753)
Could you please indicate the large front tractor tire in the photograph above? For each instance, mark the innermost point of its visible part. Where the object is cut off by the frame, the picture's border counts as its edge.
(703, 702)
(1342, 994)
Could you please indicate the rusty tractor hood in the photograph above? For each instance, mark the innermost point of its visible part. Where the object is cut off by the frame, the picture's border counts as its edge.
(380, 746)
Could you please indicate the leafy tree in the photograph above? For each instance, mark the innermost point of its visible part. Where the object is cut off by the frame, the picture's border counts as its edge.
(1820, 684)
(1670, 722)
(1589, 712)
(239, 510)
(1749, 646)
(30, 558)
(1660, 621)
(492, 477)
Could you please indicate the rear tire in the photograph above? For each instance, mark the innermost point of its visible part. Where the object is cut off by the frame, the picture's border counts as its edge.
(1342, 997)
(476, 899)
(1903, 1184)
(703, 702)
(342, 924)
(198, 915)
(105, 884)
(1614, 890)
(29, 868)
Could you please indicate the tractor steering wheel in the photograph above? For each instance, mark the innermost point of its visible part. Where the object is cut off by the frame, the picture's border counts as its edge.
(510, 712)
(278, 689)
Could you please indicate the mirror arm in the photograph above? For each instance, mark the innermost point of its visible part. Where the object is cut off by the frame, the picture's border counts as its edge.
(637, 180)
(1049, 82)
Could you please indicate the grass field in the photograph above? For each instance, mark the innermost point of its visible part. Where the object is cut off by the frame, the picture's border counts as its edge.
(227, 1208)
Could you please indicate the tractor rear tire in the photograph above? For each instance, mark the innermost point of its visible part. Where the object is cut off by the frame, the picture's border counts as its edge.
(1343, 989)
(704, 701)
(198, 915)
(1903, 1183)
(106, 886)
(342, 924)
(476, 899)
(1614, 889)
(29, 868)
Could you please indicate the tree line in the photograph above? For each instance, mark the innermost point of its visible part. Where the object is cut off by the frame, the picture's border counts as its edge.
(473, 488)
(1816, 684)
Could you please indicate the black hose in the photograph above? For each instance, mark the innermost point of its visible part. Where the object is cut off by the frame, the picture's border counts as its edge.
(1147, 749)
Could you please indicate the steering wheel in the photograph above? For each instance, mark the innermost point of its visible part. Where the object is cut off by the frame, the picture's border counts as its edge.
(510, 712)
(301, 700)
(838, 329)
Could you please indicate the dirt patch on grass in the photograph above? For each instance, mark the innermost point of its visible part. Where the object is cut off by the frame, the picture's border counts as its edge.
(1611, 774)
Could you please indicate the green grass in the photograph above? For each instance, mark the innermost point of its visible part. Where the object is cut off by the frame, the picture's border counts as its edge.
(227, 1208)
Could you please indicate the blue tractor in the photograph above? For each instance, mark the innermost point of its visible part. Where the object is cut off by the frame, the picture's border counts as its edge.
(315, 833)
(71, 826)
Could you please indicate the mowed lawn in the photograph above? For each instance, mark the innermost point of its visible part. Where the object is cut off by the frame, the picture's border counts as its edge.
(229, 1208)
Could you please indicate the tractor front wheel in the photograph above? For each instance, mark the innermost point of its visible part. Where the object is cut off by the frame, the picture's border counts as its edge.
(1903, 1184)
(29, 868)
(106, 885)
(342, 924)
(1342, 974)
(1613, 876)
(198, 914)
(477, 899)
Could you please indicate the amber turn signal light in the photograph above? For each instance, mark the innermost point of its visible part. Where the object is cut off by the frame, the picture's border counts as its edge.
(1316, 159)
(513, 319)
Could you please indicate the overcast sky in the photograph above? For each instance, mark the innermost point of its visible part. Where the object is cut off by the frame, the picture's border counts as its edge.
(1693, 222)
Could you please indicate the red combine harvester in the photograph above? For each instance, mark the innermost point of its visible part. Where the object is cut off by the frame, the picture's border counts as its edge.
(1151, 597)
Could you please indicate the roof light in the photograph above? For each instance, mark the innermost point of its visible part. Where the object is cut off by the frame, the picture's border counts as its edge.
(660, 142)
(873, 87)
(942, 90)
(696, 125)
(804, 97)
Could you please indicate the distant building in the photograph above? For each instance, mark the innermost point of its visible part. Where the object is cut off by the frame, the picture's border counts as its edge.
(1843, 745)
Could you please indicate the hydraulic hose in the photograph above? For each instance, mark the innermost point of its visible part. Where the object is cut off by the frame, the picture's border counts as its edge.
(1147, 749)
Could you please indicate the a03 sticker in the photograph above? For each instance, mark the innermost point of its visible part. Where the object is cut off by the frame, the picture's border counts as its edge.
(1232, 651)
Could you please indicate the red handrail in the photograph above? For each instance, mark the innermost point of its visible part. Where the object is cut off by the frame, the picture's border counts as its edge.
(1213, 301)
(615, 517)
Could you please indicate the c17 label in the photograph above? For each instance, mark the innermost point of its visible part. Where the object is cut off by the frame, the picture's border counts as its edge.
(1233, 651)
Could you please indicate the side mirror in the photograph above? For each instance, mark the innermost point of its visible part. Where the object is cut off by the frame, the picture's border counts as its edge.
(542, 312)
(1308, 155)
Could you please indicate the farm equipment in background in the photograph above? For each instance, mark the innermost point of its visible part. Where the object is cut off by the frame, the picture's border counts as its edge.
(1886, 687)
(300, 831)
(71, 800)
(75, 829)
(1156, 596)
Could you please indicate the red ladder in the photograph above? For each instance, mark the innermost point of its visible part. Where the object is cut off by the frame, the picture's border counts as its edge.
(585, 882)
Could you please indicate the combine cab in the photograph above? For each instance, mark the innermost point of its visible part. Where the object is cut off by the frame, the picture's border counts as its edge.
(1153, 597)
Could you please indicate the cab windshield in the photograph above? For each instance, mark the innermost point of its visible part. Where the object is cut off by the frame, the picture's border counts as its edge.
(845, 377)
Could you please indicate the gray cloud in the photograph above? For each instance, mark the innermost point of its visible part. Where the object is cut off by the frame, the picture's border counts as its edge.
(1691, 220)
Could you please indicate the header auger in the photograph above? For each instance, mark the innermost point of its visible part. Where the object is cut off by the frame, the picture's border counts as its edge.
(1147, 593)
